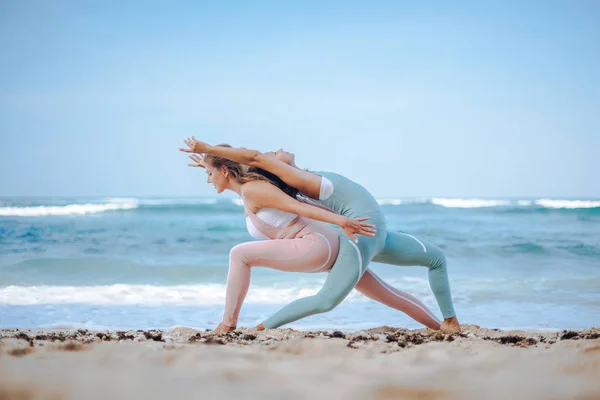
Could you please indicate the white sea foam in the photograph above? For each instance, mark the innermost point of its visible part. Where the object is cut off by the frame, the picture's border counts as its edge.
(572, 204)
(524, 203)
(479, 203)
(167, 202)
(129, 203)
(121, 200)
(71, 209)
(468, 203)
(397, 202)
(204, 294)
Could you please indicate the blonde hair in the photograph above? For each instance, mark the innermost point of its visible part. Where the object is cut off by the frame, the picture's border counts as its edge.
(244, 174)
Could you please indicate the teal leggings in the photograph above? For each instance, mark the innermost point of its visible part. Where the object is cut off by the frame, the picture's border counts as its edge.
(353, 259)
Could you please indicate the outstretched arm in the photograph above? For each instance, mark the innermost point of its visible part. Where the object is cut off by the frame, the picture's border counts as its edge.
(307, 183)
(266, 195)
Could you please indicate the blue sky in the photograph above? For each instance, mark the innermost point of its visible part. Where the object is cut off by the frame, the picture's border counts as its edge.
(410, 99)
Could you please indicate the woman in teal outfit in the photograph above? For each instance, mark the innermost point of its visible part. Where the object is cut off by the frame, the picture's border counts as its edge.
(351, 200)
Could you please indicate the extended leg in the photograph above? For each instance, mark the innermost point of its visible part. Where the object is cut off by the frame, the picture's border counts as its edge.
(404, 249)
(307, 254)
(376, 289)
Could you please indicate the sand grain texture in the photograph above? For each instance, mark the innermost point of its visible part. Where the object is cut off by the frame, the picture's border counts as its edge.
(381, 363)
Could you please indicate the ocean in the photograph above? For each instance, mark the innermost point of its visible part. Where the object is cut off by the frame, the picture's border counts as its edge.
(144, 263)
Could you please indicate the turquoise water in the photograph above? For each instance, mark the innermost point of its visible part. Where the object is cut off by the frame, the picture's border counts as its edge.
(160, 263)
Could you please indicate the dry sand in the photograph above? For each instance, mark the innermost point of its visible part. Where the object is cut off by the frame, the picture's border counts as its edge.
(381, 363)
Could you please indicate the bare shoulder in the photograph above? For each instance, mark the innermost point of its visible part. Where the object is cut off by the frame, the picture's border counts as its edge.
(258, 194)
(254, 191)
(255, 187)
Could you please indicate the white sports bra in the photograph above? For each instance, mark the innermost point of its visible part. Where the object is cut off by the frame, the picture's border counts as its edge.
(280, 218)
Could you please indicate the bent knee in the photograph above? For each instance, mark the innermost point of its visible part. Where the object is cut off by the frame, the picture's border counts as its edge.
(238, 255)
(437, 257)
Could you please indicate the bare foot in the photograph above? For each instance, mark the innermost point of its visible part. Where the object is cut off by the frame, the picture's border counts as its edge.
(222, 328)
(260, 327)
(450, 325)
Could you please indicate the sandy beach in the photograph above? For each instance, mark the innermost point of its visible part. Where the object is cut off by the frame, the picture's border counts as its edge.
(380, 363)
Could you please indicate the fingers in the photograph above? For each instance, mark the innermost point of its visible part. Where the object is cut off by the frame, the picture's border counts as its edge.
(356, 227)
(350, 233)
(186, 150)
(364, 229)
(364, 219)
(365, 232)
(190, 143)
(368, 226)
(196, 165)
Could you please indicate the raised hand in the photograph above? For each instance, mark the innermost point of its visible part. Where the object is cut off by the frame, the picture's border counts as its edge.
(194, 146)
(198, 161)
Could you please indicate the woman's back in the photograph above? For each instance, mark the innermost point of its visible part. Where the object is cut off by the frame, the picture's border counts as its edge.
(348, 198)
